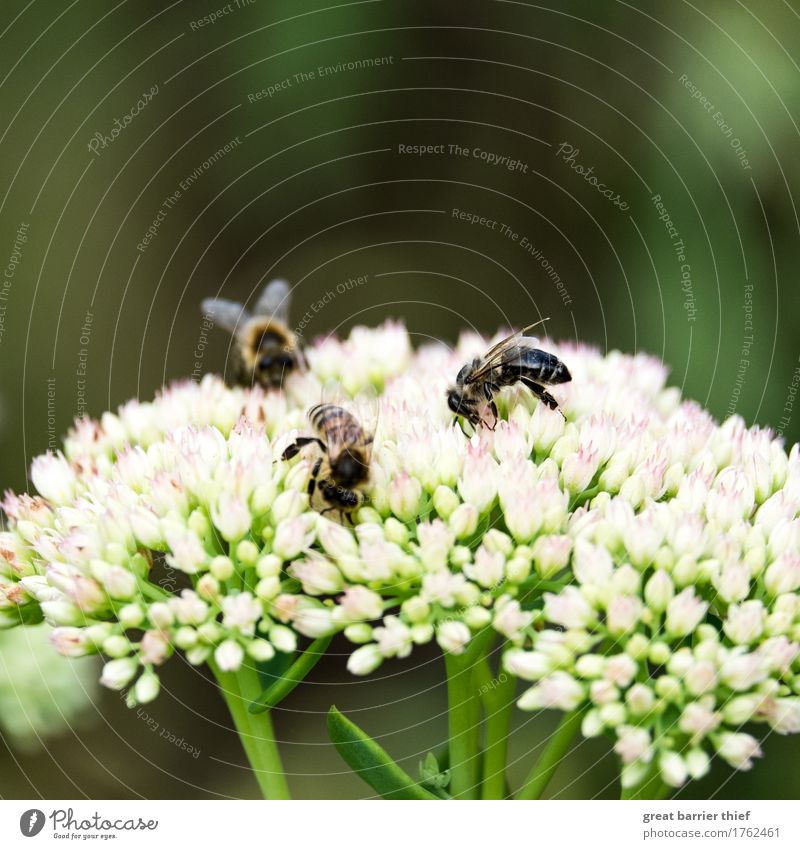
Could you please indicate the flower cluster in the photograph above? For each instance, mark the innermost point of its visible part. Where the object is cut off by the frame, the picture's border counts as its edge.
(637, 560)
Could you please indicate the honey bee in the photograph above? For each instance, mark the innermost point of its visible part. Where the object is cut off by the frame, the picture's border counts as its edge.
(341, 471)
(515, 359)
(265, 350)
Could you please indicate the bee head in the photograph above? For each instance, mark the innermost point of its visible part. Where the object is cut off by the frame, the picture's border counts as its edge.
(457, 403)
(349, 469)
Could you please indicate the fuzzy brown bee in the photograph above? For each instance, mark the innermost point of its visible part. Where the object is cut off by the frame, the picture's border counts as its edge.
(515, 359)
(265, 350)
(341, 471)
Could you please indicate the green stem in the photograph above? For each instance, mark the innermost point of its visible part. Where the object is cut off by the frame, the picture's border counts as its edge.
(239, 690)
(544, 769)
(464, 726)
(497, 703)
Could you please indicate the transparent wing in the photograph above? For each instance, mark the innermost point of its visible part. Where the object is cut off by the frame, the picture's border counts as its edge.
(505, 350)
(230, 315)
(363, 407)
(274, 301)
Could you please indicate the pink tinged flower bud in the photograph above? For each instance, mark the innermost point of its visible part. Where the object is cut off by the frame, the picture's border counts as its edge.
(698, 722)
(231, 516)
(558, 690)
(622, 614)
(632, 744)
(551, 555)
(684, 613)
(737, 749)
(778, 654)
(394, 638)
(591, 563)
(620, 669)
(317, 575)
(783, 575)
(783, 715)
(659, 590)
(578, 469)
(509, 618)
(436, 540)
(229, 656)
(189, 608)
(527, 665)
(241, 612)
(359, 604)
(365, 660)
(487, 570)
(463, 521)
(405, 493)
(639, 699)
(673, 769)
(187, 552)
(478, 482)
(603, 692)
(54, 477)
(730, 499)
(293, 536)
(119, 583)
(117, 674)
(733, 582)
(701, 677)
(545, 427)
(745, 622)
(569, 608)
(160, 615)
(742, 671)
(70, 642)
(154, 647)
(336, 540)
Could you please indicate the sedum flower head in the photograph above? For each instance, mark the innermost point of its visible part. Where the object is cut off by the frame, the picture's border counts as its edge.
(638, 561)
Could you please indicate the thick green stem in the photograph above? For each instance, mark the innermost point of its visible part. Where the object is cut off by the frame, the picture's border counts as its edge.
(464, 726)
(239, 690)
(498, 699)
(544, 769)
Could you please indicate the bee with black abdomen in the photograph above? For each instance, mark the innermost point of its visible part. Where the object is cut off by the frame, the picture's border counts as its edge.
(341, 471)
(265, 350)
(515, 359)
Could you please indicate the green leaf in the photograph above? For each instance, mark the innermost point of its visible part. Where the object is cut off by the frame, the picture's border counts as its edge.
(288, 680)
(365, 757)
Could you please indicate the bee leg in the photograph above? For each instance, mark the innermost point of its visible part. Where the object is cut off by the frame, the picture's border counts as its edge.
(312, 481)
(540, 392)
(294, 449)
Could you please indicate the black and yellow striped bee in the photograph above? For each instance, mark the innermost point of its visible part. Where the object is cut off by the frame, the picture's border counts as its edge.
(515, 359)
(265, 350)
(340, 473)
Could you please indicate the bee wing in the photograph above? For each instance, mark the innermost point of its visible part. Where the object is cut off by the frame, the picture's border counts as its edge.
(230, 315)
(274, 301)
(505, 350)
(363, 407)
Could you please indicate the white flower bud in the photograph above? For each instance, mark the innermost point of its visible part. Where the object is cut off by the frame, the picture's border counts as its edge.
(551, 555)
(405, 493)
(737, 749)
(527, 665)
(463, 521)
(453, 637)
(673, 769)
(283, 638)
(118, 673)
(684, 613)
(659, 590)
(632, 744)
(221, 568)
(146, 688)
(558, 690)
(365, 660)
(745, 622)
(358, 633)
(229, 656)
(260, 650)
(639, 699)
(445, 501)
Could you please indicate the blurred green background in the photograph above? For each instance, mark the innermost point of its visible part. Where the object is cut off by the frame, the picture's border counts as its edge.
(652, 205)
